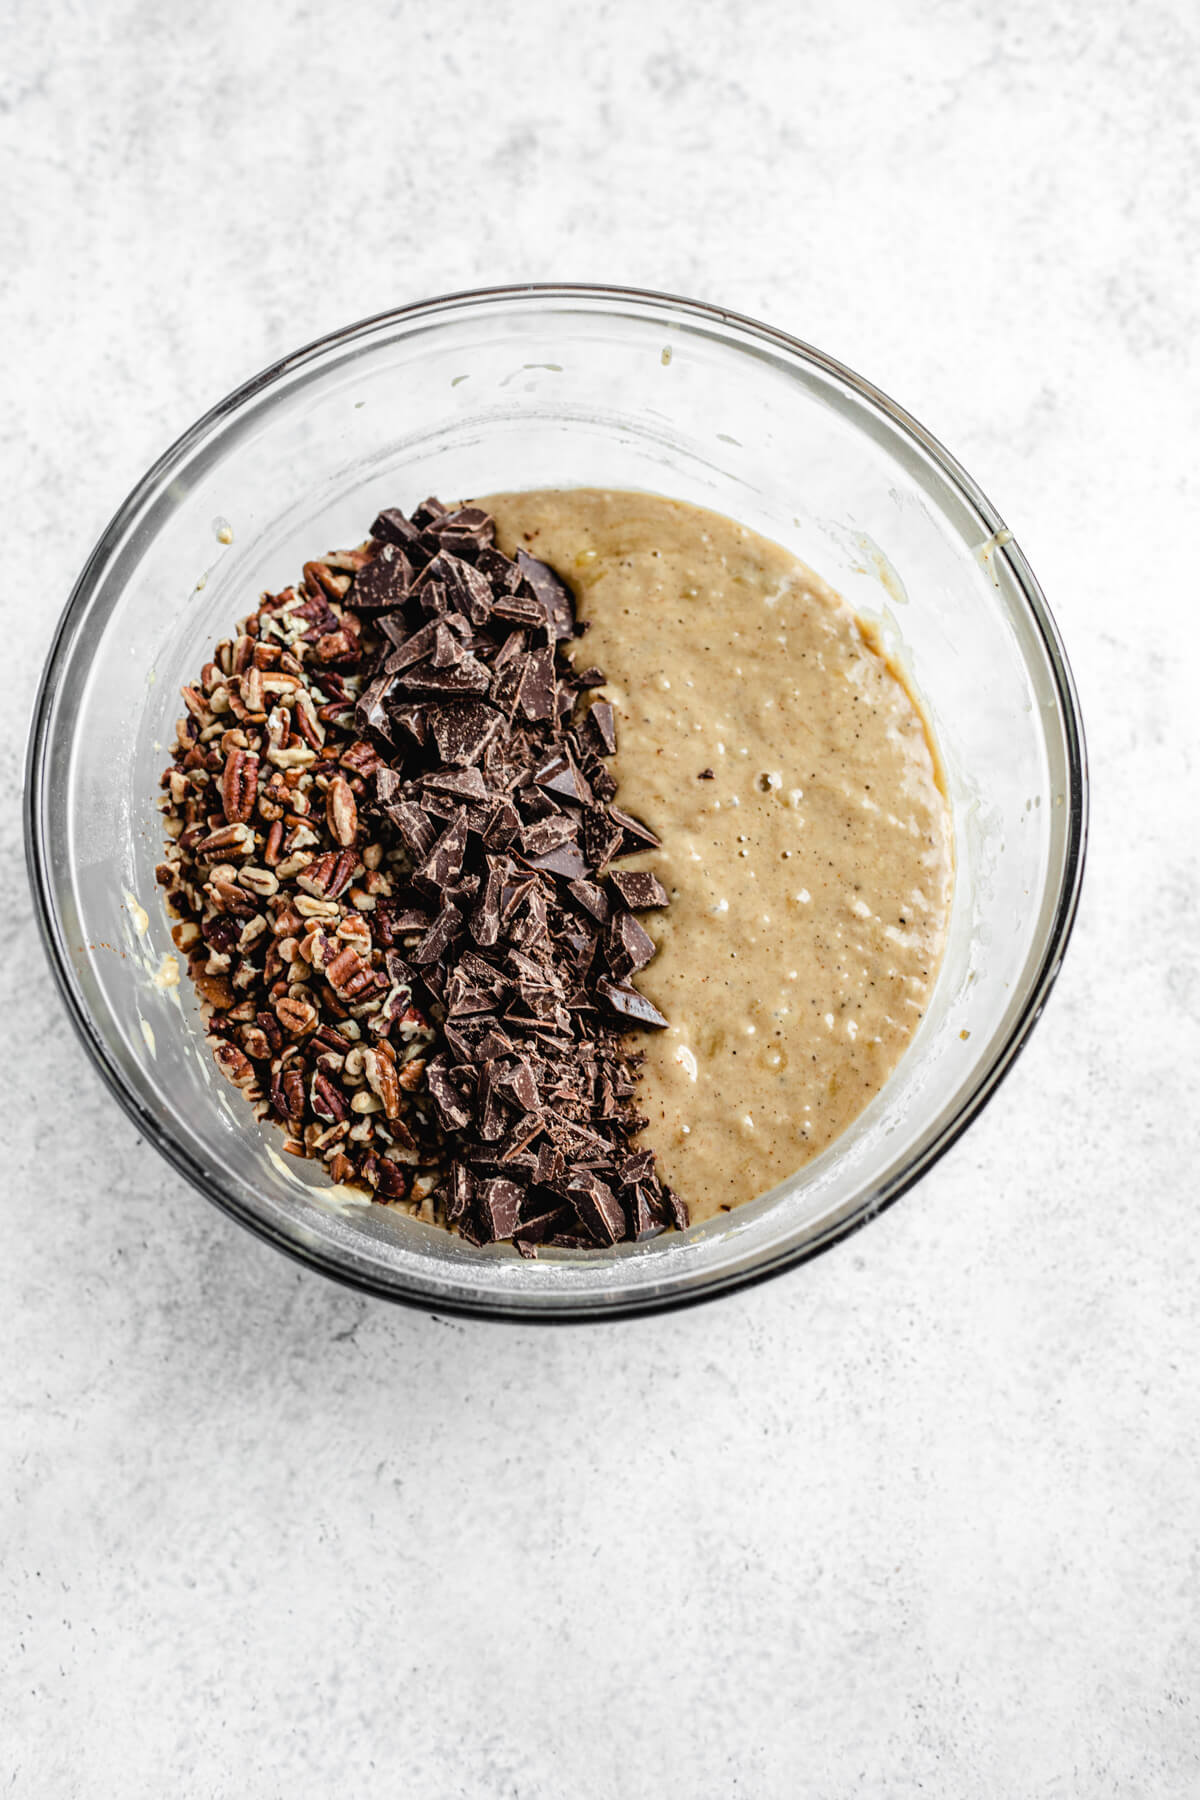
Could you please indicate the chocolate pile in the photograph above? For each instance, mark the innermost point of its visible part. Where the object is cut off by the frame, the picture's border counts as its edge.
(462, 865)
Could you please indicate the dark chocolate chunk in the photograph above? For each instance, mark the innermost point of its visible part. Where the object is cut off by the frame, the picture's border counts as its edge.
(468, 784)
(464, 532)
(370, 713)
(502, 827)
(553, 593)
(441, 935)
(636, 835)
(598, 729)
(706, 775)
(638, 888)
(520, 609)
(384, 581)
(536, 694)
(547, 834)
(677, 1211)
(412, 648)
(408, 918)
(497, 1207)
(518, 1081)
(637, 1166)
(464, 589)
(500, 570)
(602, 839)
(598, 1207)
(463, 732)
(593, 899)
(630, 1004)
(644, 1222)
(414, 719)
(566, 860)
(558, 775)
(427, 512)
(452, 1108)
(414, 825)
(523, 1133)
(484, 922)
(444, 862)
(392, 527)
(465, 676)
(460, 1193)
(628, 946)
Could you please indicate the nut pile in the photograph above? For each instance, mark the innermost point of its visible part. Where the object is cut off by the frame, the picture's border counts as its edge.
(391, 835)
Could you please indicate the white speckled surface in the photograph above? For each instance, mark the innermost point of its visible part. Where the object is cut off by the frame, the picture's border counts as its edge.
(920, 1518)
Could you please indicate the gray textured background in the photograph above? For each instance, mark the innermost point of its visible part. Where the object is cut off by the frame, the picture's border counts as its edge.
(920, 1518)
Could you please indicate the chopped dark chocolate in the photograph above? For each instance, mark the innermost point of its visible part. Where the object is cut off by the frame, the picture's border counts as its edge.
(638, 888)
(631, 1003)
(553, 593)
(497, 1206)
(628, 946)
(384, 581)
(593, 899)
(392, 527)
(462, 733)
(536, 694)
(636, 836)
(598, 729)
(470, 785)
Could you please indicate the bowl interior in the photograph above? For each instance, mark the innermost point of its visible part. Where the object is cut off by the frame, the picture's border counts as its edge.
(530, 389)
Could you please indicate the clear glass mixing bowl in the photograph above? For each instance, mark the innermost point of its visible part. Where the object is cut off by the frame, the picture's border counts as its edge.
(533, 387)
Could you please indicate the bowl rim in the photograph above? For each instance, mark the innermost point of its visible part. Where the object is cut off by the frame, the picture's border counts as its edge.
(1006, 1051)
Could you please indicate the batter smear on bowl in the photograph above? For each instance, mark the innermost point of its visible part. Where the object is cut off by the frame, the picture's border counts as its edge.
(414, 857)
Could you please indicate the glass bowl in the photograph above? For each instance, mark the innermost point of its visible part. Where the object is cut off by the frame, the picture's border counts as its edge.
(537, 387)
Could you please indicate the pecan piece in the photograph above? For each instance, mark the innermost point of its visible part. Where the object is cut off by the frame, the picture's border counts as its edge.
(388, 1180)
(229, 840)
(379, 1066)
(215, 989)
(239, 785)
(326, 1101)
(328, 876)
(341, 811)
(287, 1094)
(297, 1016)
(304, 718)
(274, 844)
(234, 1064)
(349, 975)
(254, 1043)
(361, 758)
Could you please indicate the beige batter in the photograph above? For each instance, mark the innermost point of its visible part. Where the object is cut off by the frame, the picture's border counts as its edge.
(809, 878)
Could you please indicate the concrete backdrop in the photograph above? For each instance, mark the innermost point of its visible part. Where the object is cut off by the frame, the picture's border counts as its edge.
(918, 1519)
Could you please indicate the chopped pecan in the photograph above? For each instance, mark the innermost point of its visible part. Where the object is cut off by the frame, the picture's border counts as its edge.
(234, 1064)
(326, 1101)
(239, 786)
(379, 1066)
(348, 974)
(296, 1015)
(228, 840)
(328, 876)
(361, 758)
(341, 811)
(215, 990)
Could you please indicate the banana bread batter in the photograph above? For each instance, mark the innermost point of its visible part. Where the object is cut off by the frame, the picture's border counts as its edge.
(806, 840)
